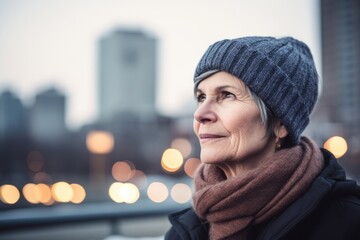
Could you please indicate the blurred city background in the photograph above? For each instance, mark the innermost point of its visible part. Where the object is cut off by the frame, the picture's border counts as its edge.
(96, 104)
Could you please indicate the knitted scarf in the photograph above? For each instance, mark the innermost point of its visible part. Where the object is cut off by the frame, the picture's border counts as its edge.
(232, 205)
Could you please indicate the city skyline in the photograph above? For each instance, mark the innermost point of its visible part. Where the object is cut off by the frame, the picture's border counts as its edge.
(45, 44)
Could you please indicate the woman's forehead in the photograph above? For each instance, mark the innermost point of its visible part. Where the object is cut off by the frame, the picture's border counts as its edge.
(221, 79)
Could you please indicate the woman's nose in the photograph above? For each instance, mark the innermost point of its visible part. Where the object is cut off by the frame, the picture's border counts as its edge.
(205, 112)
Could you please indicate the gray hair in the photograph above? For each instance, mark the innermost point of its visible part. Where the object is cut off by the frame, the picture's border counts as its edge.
(267, 117)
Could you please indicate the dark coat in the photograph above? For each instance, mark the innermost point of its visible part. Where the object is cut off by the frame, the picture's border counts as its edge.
(330, 210)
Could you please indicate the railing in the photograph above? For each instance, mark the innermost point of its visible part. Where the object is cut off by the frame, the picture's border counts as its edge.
(112, 213)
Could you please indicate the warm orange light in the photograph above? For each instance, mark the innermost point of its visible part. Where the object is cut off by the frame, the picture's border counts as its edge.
(171, 160)
(124, 192)
(157, 192)
(181, 193)
(44, 193)
(79, 193)
(100, 142)
(337, 146)
(62, 192)
(9, 194)
(122, 171)
(114, 192)
(129, 193)
(38, 193)
(191, 165)
(29, 192)
(183, 145)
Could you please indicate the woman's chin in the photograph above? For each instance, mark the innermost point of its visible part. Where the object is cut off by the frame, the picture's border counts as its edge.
(209, 158)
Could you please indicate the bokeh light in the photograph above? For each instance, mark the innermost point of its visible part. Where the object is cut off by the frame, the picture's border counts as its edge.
(29, 192)
(114, 192)
(124, 192)
(337, 146)
(9, 194)
(123, 171)
(191, 165)
(100, 142)
(157, 192)
(62, 192)
(171, 160)
(183, 145)
(129, 193)
(181, 193)
(43, 193)
(79, 193)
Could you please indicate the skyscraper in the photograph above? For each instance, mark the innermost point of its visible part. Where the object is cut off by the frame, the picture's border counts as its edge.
(339, 105)
(12, 117)
(340, 36)
(47, 117)
(127, 73)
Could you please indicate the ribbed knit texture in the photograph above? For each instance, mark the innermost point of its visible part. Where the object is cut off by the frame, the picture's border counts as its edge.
(280, 71)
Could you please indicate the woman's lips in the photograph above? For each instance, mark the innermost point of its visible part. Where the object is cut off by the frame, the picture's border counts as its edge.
(204, 137)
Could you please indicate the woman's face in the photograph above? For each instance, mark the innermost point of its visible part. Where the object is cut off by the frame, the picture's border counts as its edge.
(228, 123)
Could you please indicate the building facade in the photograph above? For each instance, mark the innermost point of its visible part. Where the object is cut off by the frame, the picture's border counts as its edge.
(340, 37)
(47, 117)
(127, 73)
(339, 104)
(13, 122)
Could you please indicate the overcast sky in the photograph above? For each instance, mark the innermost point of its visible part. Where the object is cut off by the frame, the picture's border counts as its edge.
(46, 43)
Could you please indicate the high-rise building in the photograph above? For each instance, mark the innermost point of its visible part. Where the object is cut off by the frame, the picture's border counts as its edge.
(339, 105)
(47, 117)
(340, 37)
(12, 117)
(127, 73)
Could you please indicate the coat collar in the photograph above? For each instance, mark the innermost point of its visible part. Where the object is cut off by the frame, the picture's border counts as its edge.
(330, 181)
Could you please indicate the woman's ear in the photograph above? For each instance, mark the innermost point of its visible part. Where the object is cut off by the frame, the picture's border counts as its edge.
(280, 130)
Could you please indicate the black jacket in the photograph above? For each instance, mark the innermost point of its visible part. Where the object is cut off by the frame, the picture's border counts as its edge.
(329, 210)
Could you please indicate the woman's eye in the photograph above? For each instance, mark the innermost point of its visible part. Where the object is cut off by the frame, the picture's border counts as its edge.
(200, 98)
(227, 95)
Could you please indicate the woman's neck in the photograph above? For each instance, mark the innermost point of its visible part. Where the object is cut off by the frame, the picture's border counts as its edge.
(238, 167)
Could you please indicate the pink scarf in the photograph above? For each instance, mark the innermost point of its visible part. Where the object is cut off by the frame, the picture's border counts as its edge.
(231, 205)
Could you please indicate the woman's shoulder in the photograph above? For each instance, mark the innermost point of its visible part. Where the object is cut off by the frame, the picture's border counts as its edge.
(336, 218)
(329, 209)
(339, 211)
(186, 225)
(343, 208)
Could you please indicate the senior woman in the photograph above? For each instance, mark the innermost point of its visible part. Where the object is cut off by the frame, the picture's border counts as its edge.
(260, 178)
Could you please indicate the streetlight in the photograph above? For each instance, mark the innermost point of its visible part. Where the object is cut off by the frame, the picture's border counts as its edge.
(99, 144)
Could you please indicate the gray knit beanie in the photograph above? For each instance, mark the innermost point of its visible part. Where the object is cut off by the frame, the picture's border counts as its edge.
(280, 71)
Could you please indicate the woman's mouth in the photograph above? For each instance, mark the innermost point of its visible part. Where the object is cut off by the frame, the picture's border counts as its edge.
(205, 137)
